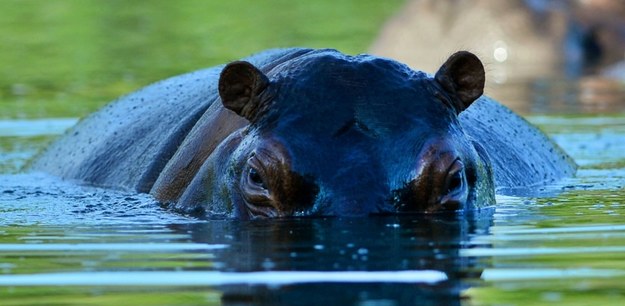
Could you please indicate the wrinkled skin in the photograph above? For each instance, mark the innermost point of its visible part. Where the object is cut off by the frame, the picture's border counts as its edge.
(301, 132)
(370, 137)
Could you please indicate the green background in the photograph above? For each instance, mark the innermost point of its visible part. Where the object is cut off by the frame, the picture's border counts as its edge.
(66, 58)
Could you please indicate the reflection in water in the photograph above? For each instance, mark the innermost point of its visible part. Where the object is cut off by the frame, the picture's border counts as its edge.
(225, 255)
(384, 243)
(85, 233)
(336, 244)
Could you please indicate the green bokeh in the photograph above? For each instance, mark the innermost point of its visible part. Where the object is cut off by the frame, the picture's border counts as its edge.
(67, 58)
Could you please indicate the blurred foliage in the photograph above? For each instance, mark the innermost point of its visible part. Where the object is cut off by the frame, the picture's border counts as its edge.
(68, 57)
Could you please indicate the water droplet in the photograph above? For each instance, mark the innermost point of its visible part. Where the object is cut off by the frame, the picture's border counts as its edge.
(268, 264)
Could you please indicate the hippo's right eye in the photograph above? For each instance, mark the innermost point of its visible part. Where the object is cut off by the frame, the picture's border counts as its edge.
(255, 190)
(455, 178)
(255, 178)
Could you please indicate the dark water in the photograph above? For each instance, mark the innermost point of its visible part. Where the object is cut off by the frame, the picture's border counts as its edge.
(299, 261)
(60, 234)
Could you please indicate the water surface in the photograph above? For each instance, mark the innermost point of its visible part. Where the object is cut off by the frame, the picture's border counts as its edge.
(103, 246)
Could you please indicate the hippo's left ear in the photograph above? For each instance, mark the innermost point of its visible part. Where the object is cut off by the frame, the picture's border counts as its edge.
(462, 76)
(240, 88)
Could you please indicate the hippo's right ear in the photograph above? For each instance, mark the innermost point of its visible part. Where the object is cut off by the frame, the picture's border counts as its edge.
(240, 86)
(462, 77)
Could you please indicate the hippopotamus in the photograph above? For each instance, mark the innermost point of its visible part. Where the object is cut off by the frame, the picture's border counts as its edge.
(306, 132)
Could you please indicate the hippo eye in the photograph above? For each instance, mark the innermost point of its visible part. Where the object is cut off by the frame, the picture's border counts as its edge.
(455, 177)
(255, 178)
(455, 182)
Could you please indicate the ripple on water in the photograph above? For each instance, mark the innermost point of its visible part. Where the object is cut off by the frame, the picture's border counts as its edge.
(37, 198)
(59, 233)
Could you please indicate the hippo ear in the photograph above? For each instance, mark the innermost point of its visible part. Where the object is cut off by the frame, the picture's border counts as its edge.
(240, 86)
(462, 77)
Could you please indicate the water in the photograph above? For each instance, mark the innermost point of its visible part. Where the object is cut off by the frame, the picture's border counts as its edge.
(66, 244)
(73, 244)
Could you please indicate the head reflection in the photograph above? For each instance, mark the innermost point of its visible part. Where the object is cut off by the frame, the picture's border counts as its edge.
(392, 243)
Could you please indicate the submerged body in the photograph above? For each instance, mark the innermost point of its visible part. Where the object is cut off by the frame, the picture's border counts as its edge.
(297, 132)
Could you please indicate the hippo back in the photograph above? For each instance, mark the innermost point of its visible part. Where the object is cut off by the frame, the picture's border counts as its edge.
(521, 155)
(127, 143)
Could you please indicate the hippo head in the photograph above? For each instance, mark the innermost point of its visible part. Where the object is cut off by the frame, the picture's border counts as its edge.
(338, 135)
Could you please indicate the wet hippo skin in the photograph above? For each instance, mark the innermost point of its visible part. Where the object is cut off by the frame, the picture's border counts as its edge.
(303, 132)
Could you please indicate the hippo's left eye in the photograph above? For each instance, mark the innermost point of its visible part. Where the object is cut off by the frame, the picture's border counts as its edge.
(255, 178)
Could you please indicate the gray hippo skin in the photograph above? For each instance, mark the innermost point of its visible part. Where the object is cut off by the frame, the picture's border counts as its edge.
(302, 132)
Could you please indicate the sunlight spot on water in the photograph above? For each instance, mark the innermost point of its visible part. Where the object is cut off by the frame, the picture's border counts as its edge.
(218, 278)
(526, 274)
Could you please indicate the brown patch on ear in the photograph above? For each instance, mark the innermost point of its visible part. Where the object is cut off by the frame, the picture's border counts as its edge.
(240, 87)
(462, 76)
